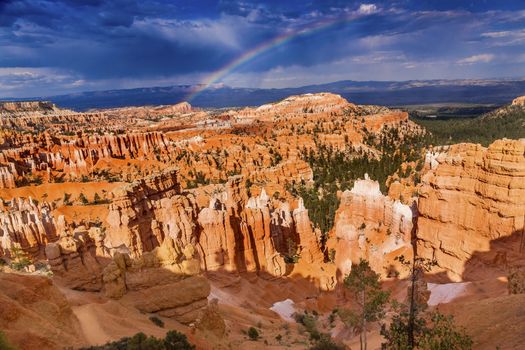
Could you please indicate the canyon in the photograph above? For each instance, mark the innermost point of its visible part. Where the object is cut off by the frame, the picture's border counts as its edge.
(209, 219)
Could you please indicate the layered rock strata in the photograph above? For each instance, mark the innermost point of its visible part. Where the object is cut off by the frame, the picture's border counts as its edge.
(165, 281)
(26, 224)
(472, 197)
(371, 226)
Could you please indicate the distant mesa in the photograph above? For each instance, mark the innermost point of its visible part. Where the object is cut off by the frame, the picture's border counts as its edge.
(386, 93)
(27, 106)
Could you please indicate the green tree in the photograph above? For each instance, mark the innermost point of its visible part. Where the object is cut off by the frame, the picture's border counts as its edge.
(19, 259)
(411, 328)
(177, 341)
(326, 343)
(82, 198)
(96, 198)
(442, 334)
(67, 198)
(434, 331)
(141, 341)
(370, 300)
(417, 268)
(173, 341)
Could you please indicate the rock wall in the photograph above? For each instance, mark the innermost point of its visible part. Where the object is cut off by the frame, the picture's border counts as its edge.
(78, 256)
(27, 106)
(234, 232)
(7, 176)
(471, 197)
(369, 225)
(77, 158)
(147, 211)
(166, 281)
(254, 234)
(26, 225)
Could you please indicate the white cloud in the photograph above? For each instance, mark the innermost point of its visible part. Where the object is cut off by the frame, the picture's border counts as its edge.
(505, 38)
(224, 31)
(482, 58)
(496, 34)
(367, 9)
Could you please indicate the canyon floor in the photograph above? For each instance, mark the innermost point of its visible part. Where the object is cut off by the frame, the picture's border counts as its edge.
(213, 221)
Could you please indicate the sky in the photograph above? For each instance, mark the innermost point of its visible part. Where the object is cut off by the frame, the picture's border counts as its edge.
(50, 47)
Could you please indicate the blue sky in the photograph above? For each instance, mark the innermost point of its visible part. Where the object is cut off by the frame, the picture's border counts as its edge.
(62, 46)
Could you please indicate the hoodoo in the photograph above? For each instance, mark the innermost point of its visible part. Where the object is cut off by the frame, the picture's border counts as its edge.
(228, 226)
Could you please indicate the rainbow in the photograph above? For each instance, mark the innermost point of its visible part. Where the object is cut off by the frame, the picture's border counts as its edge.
(264, 47)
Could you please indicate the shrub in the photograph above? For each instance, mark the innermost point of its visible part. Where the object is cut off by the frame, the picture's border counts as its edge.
(157, 321)
(326, 343)
(253, 333)
(82, 198)
(331, 255)
(20, 259)
(310, 324)
(67, 199)
(96, 198)
(173, 341)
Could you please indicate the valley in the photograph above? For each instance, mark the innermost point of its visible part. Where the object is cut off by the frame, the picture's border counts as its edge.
(214, 222)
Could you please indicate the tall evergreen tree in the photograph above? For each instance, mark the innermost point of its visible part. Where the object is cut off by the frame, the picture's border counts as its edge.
(370, 300)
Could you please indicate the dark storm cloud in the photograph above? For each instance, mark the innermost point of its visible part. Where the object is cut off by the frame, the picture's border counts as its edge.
(100, 42)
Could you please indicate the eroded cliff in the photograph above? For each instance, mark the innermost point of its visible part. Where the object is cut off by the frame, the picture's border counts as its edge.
(472, 197)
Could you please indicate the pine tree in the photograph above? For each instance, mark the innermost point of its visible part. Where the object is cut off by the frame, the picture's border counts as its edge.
(96, 198)
(82, 198)
(370, 300)
(411, 328)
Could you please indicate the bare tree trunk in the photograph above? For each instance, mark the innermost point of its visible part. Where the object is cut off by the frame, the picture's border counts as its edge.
(363, 344)
(412, 306)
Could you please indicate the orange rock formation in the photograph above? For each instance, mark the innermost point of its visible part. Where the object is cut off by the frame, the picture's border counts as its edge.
(472, 196)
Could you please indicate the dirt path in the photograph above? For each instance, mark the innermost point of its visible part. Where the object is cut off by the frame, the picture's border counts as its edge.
(90, 325)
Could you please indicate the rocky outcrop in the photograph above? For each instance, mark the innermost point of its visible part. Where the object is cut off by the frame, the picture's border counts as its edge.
(472, 197)
(369, 225)
(519, 101)
(7, 176)
(182, 300)
(78, 158)
(210, 320)
(150, 111)
(34, 314)
(254, 234)
(77, 257)
(516, 281)
(308, 103)
(234, 232)
(147, 211)
(166, 281)
(26, 224)
(308, 239)
(27, 106)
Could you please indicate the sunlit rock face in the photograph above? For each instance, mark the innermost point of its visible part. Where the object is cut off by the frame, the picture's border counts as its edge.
(26, 224)
(472, 197)
(371, 226)
(519, 101)
(253, 234)
(233, 232)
